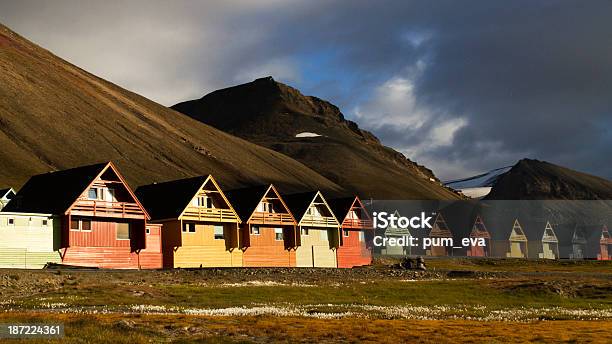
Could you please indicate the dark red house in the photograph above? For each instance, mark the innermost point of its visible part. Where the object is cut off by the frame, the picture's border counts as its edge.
(356, 232)
(102, 222)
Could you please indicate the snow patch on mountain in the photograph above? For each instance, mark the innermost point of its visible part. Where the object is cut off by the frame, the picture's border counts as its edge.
(477, 186)
(307, 134)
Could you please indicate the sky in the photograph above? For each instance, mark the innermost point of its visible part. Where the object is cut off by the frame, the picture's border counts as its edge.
(461, 87)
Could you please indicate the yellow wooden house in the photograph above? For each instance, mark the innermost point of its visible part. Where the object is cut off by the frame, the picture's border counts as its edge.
(200, 226)
(319, 230)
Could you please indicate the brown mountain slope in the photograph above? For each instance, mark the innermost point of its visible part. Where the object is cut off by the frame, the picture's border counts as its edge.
(533, 179)
(54, 115)
(272, 114)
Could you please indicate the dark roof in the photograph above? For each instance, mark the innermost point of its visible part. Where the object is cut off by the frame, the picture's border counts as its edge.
(168, 200)
(565, 232)
(499, 218)
(298, 203)
(3, 192)
(341, 206)
(460, 217)
(245, 200)
(54, 192)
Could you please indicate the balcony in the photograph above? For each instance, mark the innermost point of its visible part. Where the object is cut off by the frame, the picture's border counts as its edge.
(318, 221)
(357, 223)
(209, 214)
(107, 209)
(280, 219)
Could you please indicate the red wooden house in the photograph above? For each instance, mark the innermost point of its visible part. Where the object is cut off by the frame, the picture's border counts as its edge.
(268, 235)
(356, 230)
(102, 222)
(598, 242)
(479, 230)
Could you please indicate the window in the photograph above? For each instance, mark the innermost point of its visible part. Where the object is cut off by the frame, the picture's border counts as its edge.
(110, 195)
(254, 230)
(11, 221)
(203, 201)
(189, 227)
(92, 194)
(74, 225)
(305, 231)
(324, 235)
(123, 231)
(86, 225)
(219, 233)
(148, 231)
(266, 207)
(278, 234)
(345, 232)
(361, 236)
(45, 222)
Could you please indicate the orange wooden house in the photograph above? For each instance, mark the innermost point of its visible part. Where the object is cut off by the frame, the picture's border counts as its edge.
(356, 227)
(201, 228)
(102, 222)
(268, 236)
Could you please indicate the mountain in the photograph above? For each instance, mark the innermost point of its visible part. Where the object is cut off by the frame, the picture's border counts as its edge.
(478, 186)
(54, 115)
(315, 132)
(534, 179)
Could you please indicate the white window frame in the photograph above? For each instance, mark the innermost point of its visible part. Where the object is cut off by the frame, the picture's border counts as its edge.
(81, 226)
(276, 233)
(215, 232)
(129, 233)
(253, 229)
(11, 221)
(187, 227)
(97, 191)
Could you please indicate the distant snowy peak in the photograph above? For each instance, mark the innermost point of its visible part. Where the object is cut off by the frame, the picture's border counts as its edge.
(481, 180)
(480, 185)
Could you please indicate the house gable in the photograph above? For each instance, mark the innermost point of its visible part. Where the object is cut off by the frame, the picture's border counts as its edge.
(209, 203)
(108, 195)
(549, 234)
(440, 228)
(318, 213)
(517, 233)
(479, 230)
(271, 208)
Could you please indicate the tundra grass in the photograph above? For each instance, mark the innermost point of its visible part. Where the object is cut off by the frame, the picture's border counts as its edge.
(492, 293)
(112, 328)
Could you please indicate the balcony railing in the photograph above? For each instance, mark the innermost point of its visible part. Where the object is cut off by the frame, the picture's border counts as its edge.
(210, 214)
(108, 209)
(272, 219)
(357, 223)
(318, 221)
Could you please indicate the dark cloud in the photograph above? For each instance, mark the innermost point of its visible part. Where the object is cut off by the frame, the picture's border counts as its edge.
(461, 87)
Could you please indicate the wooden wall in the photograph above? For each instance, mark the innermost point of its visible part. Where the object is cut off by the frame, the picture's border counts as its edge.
(266, 251)
(101, 248)
(315, 249)
(202, 249)
(353, 251)
(28, 244)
